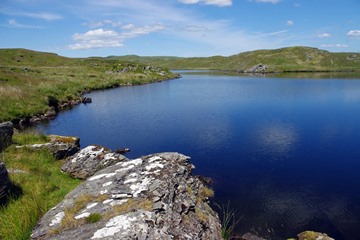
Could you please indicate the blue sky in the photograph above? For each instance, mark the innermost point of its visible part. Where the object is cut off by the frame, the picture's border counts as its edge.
(187, 28)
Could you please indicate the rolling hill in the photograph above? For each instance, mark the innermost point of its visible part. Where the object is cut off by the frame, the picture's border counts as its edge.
(291, 59)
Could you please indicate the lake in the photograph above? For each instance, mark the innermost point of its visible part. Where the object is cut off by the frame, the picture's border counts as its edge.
(283, 151)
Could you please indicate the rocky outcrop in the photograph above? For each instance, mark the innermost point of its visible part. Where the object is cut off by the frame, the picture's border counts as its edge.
(90, 160)
(153, 197)
(60, 146)
(6, 132)
(4, 183)
(258, 68)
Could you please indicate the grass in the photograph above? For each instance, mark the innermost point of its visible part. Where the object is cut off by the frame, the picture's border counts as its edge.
(228, 221)
(42, 184)
(29, 79)
(93, 218)
(129, 206)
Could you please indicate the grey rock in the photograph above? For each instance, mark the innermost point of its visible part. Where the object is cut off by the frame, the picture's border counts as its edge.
(6, 132)
(258, 68)
(4, 183)
(250, 236)
(90, 160)
(60, 146)
(122, 196)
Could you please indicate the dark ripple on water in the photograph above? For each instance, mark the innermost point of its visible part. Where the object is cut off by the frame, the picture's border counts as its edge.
(281, 207)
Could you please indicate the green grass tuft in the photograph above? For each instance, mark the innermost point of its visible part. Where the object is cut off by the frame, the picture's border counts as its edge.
(228, 221)
(93, 218)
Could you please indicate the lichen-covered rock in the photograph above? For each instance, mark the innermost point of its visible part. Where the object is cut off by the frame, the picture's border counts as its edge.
(4, 183)
(310, 235)
(6, 132)
(90, 160)
(153, 197)
(60, 146)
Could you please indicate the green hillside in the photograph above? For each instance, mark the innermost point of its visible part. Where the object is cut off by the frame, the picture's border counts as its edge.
(278, 60)
(28, 79)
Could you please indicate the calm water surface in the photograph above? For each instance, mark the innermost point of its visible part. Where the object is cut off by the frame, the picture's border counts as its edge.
(285, 152)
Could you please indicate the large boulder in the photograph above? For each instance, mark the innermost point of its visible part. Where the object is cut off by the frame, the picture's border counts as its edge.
(153, 197)
(6, 132)
(90, 160)
(60, 146)
(4, 183)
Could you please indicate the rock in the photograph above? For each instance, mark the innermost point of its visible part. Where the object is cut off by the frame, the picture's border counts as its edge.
(250, 236)
(144, 198)
(60, 146)
(259, 68)
(310, 235)
(4, 183)
(50, 114)
(6, 132)
(122, 150)
(90, 160)
(86, 100)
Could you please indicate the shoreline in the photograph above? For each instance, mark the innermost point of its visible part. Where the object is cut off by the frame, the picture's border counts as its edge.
(55, 107)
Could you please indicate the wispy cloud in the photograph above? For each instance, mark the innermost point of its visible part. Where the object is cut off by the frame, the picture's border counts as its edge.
(12, 23)
(323, 35)
(219, 3)
(139, 18)
(354, 33)
(266, 1)
(289, 22)
(334, 45)
(38, 15)
(106, 22)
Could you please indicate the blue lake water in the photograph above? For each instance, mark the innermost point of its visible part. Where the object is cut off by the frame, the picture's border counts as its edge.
(285, 152)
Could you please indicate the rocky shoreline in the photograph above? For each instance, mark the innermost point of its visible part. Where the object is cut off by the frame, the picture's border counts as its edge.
(55, 106)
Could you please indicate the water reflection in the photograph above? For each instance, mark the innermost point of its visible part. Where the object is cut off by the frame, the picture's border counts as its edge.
(275, 139)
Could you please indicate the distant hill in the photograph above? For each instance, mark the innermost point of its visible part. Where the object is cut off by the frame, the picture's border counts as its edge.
(291, 59)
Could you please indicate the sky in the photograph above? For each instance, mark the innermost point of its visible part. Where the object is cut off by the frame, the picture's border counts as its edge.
(184, 28)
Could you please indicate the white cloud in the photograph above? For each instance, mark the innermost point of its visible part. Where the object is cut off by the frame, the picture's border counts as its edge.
(324, 35)
(220, 3)
(335, 45)
(100, 38)
(136, 31)
(354, 33)
(266, 1)
(289, 22)
(128, 27)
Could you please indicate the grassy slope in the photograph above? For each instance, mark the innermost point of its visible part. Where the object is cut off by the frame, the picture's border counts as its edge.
(41, 181)
(29, 78)
(278, 60)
